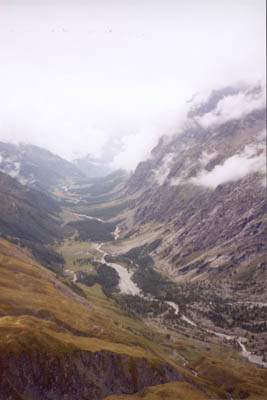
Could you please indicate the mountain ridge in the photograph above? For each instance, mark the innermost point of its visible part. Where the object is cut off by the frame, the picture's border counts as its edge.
(35, 166)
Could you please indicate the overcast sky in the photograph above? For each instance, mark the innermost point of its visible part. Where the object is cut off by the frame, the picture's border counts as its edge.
(80, 76)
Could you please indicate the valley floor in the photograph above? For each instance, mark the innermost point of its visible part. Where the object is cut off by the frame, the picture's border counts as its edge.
(190, 343)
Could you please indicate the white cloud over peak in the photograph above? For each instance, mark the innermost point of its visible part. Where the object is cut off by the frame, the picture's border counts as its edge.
(10, 166)
(135, 147)
(75, 74)
(233, 107)
(251, 159)
(163, 171)
(207, 157)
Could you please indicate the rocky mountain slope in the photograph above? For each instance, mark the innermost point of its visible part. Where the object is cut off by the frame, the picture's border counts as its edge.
(196, 234)
(205, 189)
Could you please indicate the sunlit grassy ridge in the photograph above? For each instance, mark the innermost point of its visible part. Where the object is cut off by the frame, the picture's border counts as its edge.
(31, 296)
(39, 313)
(34, 301)
(43, 321)
(221, 368)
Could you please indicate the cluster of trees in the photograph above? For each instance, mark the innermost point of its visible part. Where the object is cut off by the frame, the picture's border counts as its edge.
(223, 314)
(151, 282)
(105, 276)
(138, 306)
(120, 259)
(83, 261)
(91, 229)
(111, 211)
(141, 255)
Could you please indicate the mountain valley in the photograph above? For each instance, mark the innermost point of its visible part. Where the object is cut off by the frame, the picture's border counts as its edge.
(147, 285)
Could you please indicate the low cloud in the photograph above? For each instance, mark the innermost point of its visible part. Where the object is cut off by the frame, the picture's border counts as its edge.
(182, 178)
(251, 160)
(10, 166)
(233, 107)
(76, 77)
(162, 173)
(134, 148)
(144, 134)
(207, 157)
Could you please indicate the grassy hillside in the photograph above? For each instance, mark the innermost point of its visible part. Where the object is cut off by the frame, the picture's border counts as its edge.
(47, 330)
(43, 322)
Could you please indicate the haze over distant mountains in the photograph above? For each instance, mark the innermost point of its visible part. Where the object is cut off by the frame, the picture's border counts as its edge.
(75, 75)
(133, 200)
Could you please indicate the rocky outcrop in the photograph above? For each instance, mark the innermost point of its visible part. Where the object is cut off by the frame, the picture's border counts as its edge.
(78, 375)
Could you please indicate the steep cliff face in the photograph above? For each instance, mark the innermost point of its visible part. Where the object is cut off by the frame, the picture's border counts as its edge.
(205, 186)
(79, 375)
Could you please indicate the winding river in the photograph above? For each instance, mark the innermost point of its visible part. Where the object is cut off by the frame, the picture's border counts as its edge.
(127, 286)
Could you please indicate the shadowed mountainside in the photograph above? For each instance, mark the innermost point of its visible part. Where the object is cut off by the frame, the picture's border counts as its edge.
(30, 218)
(36, 167)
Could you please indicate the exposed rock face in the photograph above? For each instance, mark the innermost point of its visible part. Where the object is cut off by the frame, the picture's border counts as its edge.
(80, 375)
(206, 185)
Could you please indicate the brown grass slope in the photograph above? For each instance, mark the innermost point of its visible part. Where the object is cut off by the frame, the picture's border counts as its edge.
(54, 344)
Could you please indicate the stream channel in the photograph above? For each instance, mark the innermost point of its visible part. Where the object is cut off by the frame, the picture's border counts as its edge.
(127, 286)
